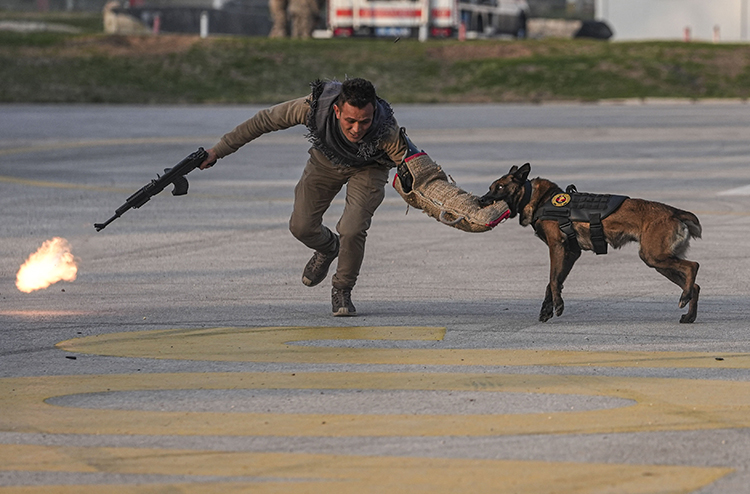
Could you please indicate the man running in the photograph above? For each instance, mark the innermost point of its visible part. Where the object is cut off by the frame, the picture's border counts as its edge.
(355, 141)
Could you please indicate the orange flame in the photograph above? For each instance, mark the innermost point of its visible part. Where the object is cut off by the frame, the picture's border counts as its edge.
(53, 262)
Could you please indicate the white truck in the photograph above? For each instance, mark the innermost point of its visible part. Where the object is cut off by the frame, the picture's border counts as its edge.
(427, 18)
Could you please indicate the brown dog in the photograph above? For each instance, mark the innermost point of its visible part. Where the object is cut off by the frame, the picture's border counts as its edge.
(663, 232)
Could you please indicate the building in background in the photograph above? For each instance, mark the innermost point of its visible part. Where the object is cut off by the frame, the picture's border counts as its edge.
(236, 17)
(427, 18)
(700, 20)
(565, 9)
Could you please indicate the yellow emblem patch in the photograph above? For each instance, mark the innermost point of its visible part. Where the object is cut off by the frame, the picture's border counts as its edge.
(560, 200)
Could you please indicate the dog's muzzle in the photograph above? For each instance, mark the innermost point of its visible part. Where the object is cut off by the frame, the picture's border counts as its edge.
(487, 200)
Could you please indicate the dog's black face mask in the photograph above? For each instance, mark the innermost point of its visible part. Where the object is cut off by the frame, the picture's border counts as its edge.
(508, 188)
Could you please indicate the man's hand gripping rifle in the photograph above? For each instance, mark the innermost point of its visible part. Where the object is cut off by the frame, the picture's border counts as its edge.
(174, 175)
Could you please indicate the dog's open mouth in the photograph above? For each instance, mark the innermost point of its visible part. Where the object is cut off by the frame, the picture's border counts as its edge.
(483, 202)
(487, 200)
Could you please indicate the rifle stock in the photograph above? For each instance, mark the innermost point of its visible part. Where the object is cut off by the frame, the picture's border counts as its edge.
(174, 175)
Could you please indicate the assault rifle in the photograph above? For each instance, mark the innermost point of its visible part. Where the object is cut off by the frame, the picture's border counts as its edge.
(174, 175)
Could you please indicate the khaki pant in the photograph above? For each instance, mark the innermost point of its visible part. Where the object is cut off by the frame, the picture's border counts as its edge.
(320, 182)
(278, 14)
(304, 15)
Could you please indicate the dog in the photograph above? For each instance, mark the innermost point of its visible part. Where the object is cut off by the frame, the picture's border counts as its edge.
(664, 234)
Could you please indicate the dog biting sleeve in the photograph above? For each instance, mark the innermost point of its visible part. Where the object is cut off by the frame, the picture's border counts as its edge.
(424, 185)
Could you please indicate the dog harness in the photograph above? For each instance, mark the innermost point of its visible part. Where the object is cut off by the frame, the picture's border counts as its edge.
(573, 206)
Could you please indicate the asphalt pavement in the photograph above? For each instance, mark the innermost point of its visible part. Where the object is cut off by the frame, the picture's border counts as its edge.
(187, 356)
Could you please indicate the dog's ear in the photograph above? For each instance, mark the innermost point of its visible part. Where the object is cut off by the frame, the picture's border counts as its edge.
(513, 169)
(521, 174)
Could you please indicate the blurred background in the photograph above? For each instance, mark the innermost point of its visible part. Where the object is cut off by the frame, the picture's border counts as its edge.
(419, 51)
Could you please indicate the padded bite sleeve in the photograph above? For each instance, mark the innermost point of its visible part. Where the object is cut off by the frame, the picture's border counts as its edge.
(427, 188)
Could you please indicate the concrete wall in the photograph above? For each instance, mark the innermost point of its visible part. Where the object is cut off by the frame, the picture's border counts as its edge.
(668, 19)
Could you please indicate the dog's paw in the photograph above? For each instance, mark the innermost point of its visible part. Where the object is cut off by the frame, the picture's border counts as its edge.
(546, 313)
(559, 308)
(693, 310)
(687, 318)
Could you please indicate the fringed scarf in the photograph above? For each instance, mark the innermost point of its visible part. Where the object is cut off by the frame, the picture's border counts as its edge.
(326, 136)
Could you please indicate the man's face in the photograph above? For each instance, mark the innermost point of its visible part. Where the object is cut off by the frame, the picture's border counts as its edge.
(354, 121)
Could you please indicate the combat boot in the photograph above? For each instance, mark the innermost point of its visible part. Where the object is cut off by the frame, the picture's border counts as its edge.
(341, 302)
(316, 269)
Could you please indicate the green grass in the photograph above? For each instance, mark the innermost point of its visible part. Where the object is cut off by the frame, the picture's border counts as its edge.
(92, 67)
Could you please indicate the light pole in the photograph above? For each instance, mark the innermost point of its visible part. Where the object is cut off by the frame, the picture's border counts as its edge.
(424, 21)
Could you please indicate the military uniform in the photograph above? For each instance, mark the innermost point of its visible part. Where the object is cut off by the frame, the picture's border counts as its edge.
(304, 14)
(334, 161)
(278, 15)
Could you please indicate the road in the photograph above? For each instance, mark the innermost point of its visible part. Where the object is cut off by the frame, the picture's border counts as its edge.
(187, 356)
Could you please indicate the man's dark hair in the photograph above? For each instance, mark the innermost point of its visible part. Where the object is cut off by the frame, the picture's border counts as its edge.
(357, 92)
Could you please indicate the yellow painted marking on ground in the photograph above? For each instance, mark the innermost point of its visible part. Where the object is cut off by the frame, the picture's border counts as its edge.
(660, 405)
(325, 474)
(273, 345)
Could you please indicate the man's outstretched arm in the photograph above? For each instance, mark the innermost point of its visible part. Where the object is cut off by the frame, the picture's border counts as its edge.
(278, 117)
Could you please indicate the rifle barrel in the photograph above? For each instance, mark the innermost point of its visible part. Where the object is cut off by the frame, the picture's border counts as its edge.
(101, 226)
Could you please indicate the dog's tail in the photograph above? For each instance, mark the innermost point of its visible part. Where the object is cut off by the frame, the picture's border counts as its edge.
(691, 222)
(687, 227)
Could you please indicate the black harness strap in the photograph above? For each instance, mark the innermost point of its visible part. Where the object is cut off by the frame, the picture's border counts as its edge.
(527, 189)
(583, 208)
(567, 228)
(597, 234)
(562, 215)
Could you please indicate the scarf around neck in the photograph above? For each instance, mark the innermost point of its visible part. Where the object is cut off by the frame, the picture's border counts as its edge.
(325, 133)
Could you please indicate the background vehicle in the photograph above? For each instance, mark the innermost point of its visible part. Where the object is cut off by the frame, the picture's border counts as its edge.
(428, 18)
